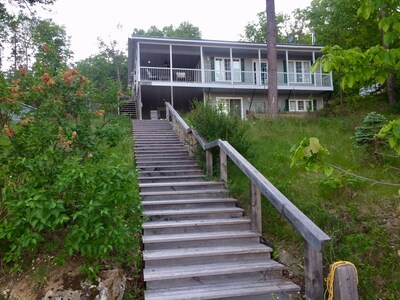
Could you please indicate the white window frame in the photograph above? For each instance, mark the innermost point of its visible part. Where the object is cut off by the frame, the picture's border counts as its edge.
(260, 77)
(299, 71)
(226, 105)
(226, 69)
(301, 105)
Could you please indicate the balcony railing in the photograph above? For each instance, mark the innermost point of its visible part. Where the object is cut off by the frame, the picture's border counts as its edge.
(235, 77)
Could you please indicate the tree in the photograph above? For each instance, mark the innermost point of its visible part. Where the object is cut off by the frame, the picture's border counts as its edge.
(327, 18)
(272, 60)
(184, 30)
(20, 40)
(376, 64)
(52, 47)
(289, 28)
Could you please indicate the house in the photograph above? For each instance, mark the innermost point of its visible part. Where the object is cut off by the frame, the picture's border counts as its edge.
(232, 73)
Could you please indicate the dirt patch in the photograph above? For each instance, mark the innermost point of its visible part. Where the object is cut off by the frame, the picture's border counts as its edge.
(41, 276)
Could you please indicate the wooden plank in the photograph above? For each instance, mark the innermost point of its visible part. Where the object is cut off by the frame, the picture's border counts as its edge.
(310, 232)
(223, 166)
(313, 276)
(177, 118)
(255, 208)
(345, 283)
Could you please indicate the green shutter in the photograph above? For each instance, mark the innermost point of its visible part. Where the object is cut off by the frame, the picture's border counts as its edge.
(286, 104)
(212, 69)
(242, 68)
(314, 104)
(312, 75)
(284, 72)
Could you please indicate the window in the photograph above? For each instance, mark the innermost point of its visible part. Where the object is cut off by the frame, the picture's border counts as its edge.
(299, 71)
(232, 106)
(223, 68)
(263, 73)
(301, 105)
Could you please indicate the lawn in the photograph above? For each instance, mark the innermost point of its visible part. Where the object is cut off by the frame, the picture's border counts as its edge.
(362, 218)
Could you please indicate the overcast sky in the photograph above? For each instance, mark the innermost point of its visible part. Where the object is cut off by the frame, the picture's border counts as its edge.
(85, 20)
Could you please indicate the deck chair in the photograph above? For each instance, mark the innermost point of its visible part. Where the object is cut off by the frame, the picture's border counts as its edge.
(150, 76)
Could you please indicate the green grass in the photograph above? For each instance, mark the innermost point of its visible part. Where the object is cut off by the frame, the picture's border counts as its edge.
(362, 219)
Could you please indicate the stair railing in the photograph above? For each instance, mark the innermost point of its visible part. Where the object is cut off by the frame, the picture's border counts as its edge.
(314, 237)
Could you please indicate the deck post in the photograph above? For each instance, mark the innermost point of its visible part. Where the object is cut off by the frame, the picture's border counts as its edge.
(255, 208)
(223, 166)
(345, 283)
(209, 163)
(313, 276)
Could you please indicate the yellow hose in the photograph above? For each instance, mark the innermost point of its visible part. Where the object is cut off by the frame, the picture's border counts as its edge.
(331, 277)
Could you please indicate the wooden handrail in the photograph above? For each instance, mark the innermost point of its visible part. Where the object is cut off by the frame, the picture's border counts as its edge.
(313, 236)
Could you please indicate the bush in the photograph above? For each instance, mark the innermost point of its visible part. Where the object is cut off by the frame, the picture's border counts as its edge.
(59, 184)
(213, 123)
(365, 135)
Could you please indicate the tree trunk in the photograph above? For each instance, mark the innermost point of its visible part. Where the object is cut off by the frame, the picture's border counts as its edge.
(391, 80)
(272, 60)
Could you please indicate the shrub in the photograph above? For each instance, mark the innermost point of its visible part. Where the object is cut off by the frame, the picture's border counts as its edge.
(365, 135)
(213, 123)
(59, 183)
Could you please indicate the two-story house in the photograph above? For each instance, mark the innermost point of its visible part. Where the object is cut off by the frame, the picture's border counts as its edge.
(232, 73)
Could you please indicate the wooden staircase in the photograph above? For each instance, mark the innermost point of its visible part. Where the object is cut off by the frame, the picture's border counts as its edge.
(129, 108)
(197, 243)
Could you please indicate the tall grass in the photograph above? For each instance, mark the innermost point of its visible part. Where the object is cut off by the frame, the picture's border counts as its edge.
(362, 219)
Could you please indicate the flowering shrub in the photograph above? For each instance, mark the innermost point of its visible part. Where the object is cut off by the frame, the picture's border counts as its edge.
(59, 186)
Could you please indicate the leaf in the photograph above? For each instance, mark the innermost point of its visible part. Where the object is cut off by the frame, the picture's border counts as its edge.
(313, 148)
(328, 170)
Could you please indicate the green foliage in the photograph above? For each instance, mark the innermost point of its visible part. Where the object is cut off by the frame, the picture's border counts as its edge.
(310, 153)
(287, 27)
(360, 218)
(327, 18)
(365, 135)
(58, 177)
(377, 63)
(184, 30)
(212, 122)
(391, 132)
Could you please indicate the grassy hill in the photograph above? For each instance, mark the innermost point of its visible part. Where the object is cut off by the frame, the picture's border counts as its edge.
(362, 218)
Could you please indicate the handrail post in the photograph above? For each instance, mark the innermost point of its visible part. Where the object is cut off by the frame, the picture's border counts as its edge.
(223, 166)
(313, 276)
(181, 134)
(209, 163)
(255, 208)
(167, 113)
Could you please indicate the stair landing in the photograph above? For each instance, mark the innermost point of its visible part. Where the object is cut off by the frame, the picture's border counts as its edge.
(197, 243)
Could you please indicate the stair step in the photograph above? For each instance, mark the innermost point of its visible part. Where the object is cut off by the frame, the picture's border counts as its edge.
(166, 179)
(151, 174)
(167, 238)
(213, 269)
(191, 194)
(168, 167)
(168, 254)
(180, 186)
(195, 226)
(193, 213)
(260, 290)
(188, 203)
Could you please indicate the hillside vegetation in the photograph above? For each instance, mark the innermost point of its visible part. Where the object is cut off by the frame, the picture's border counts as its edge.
(362, 218)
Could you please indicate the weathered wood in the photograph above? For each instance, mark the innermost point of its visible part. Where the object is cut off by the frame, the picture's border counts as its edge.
(223, 166)
(209, 163)
(313, 276)
(345, 283)
(167, 114)
(310, 232)
(255, 209)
